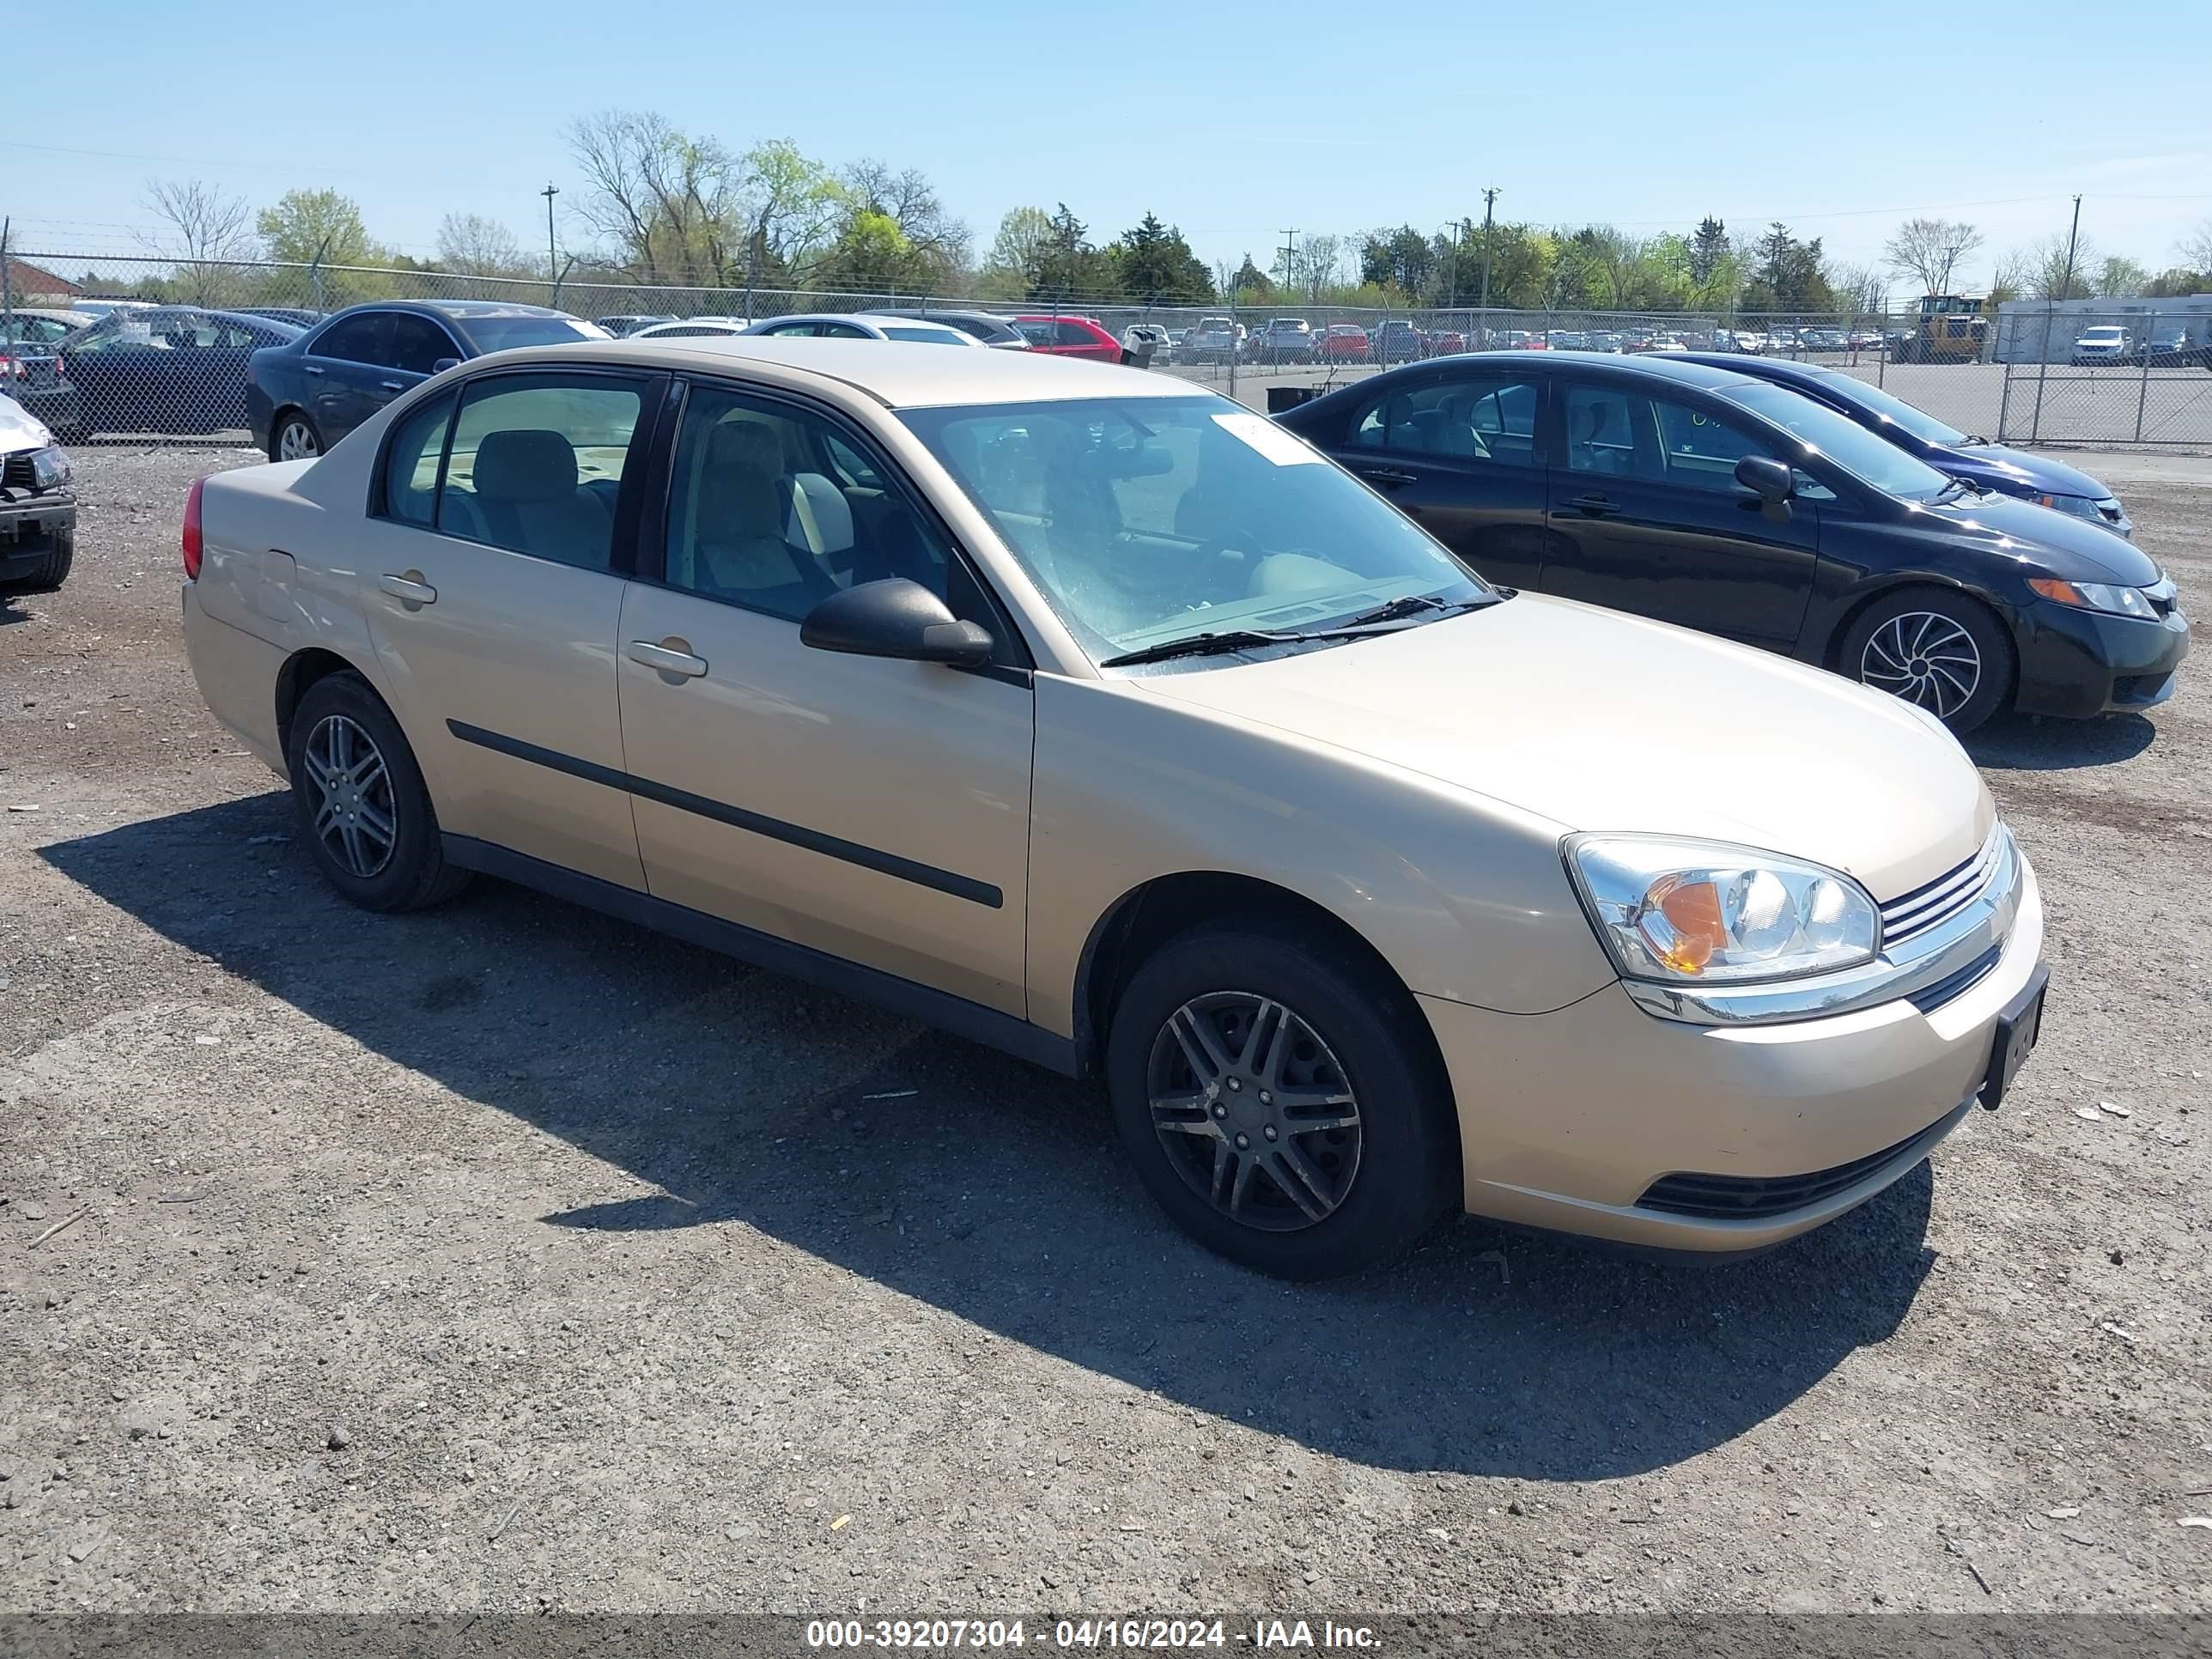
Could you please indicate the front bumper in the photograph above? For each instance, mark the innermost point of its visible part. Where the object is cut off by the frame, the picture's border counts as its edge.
(29, 528)
(1568, 1121)
(2076, 663)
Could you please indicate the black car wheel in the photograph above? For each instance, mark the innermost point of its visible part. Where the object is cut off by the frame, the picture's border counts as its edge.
(51, 572)
(364, 810)
(293, 438)
(1281, 1105)
(1943, 651)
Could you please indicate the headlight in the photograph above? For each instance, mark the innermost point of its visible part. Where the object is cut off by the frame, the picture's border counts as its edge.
(1704, 912)
(2096, 595)
(49, 468)
(2079, 507)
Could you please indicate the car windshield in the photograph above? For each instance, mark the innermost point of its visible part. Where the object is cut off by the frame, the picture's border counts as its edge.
(499, 333)
(1145, 520)
(1867, 456)
(1919, 422)
(2104, 336)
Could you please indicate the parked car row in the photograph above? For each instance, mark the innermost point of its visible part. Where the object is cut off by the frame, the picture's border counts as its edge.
(2165, 346)
(1370, 841)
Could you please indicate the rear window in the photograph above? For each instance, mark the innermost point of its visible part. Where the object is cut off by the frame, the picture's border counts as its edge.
(926, 336)
(499, 333)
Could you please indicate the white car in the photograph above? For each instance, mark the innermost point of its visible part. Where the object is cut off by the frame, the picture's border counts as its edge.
(841, 325)
(2101, 345)
(694, 328)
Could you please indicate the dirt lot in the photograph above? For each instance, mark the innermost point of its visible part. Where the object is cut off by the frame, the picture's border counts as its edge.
(509, 1257)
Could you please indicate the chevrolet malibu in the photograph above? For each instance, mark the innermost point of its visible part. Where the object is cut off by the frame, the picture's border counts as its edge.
(1094, 717)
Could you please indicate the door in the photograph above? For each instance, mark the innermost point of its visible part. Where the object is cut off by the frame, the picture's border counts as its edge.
(874, 810)
(493, 571)
(344, 365)
(1457, 452)
(1645, 514)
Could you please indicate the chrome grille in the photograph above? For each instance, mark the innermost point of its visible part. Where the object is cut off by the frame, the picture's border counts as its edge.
(1936, 903)
(16, 472)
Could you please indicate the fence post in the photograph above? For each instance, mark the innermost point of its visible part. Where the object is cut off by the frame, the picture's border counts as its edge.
(7, 281)
(2042, 371)
(2004, 404)
(2143, 393)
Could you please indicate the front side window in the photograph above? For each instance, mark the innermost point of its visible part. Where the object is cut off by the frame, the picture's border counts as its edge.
(1143, 520)
(417, 344)
(770, 509)
(536, 466)
(1490, 418)
(1867, 456)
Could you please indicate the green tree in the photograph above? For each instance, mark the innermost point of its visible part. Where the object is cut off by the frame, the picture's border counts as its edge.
(309, 225)
(1006, 267)
(1154, 265)
(1251, 285)
(1785, 274)
(1709, 251)
(1064, 265)
(1403, 259)
(872, 255)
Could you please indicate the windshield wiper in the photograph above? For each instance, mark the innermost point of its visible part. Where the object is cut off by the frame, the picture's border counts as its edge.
(1954, 484)
(1207, 644)
(1410, 604)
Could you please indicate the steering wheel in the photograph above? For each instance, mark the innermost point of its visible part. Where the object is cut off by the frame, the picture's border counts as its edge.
(1206, 563)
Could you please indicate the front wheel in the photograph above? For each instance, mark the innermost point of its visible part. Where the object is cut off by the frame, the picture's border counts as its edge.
(1943, 651)
(364, 810)
(51, 572)
(1283, 1106)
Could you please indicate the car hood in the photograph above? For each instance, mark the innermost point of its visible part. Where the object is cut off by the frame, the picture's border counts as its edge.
(2032, 536)
(20, 428)
(1602, 721)
(2045, 476)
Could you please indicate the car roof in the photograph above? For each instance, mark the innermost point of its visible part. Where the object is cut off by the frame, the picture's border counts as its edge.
(1673, 366)
(459, 309)
(1781, 370)
(898, 374)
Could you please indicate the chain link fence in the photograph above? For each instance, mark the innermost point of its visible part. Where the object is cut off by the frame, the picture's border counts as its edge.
(151, 349)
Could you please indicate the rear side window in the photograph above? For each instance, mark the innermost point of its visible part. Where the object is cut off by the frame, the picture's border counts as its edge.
(411, 460)
(1477, 418)
(1074, 334)
(536, 464)
(354, 339)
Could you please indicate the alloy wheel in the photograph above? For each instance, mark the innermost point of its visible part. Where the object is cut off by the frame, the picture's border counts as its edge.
(1253, 1111)
(296, 442)
(356, 817)
(1923, 658)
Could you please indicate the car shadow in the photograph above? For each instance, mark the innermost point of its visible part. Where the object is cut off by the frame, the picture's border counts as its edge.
(2022, 743)
(996, 1192)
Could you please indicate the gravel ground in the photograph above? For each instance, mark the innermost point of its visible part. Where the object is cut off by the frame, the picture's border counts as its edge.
(507, 1257)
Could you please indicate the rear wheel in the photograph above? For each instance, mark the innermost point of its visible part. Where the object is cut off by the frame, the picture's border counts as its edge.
(363, 809)
(1943, 651)
(51, 574)
(1283, 1106)
(293, 438)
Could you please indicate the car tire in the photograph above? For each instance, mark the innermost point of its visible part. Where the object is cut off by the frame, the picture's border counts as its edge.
(1354, 1047)
(48, 576)
(1918, 643)
(294, 427)
(348, 757)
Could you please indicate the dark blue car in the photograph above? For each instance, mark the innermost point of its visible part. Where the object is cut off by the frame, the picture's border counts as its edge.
(304, 396)
(1994, 466)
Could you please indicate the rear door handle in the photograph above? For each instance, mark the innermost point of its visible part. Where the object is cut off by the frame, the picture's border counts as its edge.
(1392, 476)
(666, 659)
(1593, 504)
(409, 590)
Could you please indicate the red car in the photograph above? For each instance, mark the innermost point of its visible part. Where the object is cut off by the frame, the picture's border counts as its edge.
(1343, 343)
(1069, 336)
(1446, 340)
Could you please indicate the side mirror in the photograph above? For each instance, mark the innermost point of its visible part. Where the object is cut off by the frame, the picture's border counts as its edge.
(445, 363)
(895, 618)
(1769, 480)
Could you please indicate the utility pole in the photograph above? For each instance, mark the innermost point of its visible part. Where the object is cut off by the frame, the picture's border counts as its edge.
(2073, 240)
(1289, 253)
(2049, 314)
(552, 247)
(1489, 197)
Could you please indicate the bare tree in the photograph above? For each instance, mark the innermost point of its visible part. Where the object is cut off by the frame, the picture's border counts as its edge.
(666, 199)
(791, 205)
(205, 230)
(1930, 251)
(2118, 277)
(474, 245)
(1859, 288)
(2196, 248)
(911, 202)
(2043, 270)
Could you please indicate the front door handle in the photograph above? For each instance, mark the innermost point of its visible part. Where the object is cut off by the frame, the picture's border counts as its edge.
(1596, 506)
(394, 386)
(309, 368)
(411, 590)
(670, 657)
(1390, 476)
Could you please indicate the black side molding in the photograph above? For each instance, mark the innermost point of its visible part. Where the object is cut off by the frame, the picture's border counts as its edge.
(957, 1015)
(794, 834)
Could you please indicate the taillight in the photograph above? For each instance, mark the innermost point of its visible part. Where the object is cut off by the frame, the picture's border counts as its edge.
(192, 543)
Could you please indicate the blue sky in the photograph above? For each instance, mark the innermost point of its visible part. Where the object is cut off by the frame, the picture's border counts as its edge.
(1235, 121)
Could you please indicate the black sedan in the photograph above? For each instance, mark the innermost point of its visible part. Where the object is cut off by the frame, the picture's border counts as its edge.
(165, 368)
(306, 394)
(1702, 496)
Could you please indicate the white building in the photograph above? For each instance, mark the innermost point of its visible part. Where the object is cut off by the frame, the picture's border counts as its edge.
(2044, 330)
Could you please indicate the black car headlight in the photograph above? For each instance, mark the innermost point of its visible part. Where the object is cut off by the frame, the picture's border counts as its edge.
(2108, 597)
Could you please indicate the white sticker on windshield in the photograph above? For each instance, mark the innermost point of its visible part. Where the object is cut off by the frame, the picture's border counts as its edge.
(1270, 440)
